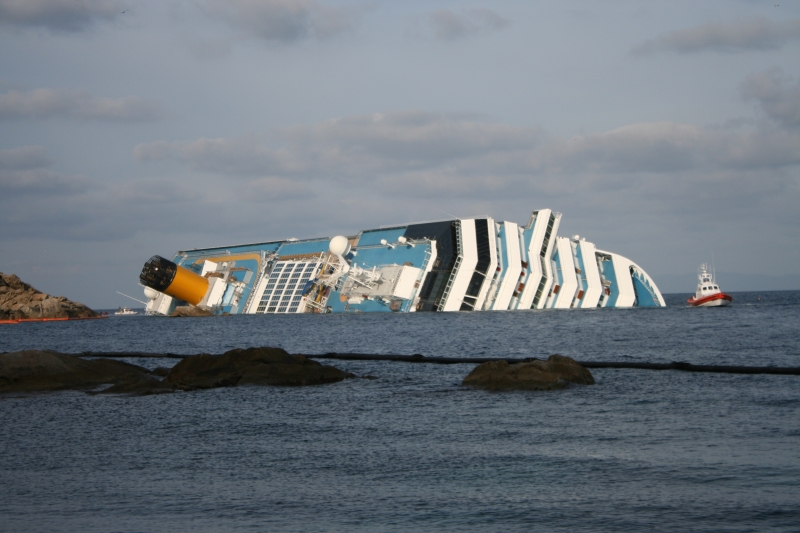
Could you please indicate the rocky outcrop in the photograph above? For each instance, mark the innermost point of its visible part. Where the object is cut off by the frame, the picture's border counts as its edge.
(43, 370)
(19, 300)
(190, 310)
(251, 366)
(555, 373)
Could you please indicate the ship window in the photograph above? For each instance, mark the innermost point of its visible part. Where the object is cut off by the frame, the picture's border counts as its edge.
(271, 309)
(716, 287)
(282, 309)
(293, 309)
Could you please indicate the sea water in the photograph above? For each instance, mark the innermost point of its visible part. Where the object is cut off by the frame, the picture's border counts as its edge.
(413, 449)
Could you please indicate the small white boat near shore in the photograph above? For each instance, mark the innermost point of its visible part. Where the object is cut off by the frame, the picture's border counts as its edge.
(125, 311)
(708, 293)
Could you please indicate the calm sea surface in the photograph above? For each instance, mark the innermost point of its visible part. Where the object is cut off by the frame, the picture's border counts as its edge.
(414, 450)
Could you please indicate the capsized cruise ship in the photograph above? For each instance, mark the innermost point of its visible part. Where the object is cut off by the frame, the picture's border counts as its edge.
(467, 264)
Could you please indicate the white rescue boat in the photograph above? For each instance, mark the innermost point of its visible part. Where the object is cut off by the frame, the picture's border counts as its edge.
(708, 293)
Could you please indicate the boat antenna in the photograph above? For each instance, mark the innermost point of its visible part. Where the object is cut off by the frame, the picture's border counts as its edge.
(713, 267)
(132, 298)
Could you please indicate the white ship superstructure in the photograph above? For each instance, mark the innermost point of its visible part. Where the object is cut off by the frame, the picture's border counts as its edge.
(469, 264)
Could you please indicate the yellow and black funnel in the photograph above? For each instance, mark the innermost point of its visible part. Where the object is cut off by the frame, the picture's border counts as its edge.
(165, 276)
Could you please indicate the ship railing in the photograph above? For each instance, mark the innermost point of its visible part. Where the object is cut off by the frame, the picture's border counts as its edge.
(456, 265)
(315, 305)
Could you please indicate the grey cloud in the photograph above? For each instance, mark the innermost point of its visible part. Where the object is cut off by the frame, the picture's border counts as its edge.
(777, 96)
(46, 204)
(348, 147)
(449, 25)
(244, 157)
(39, 183)
(58, 103)
(755, 33)
(411, 145)
(652, 147)
(58, 15)
(23, 158)
(669, 148)
(284, 21)
(411, 139)
(271, 189)
(761, 149)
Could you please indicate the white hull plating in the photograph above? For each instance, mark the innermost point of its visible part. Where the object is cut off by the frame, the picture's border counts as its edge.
(714, 303)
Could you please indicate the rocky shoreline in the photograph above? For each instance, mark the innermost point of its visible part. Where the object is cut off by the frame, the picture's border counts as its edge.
(43, 370)
(20, 301)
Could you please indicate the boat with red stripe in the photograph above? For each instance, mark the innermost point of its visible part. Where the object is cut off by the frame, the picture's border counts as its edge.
(708, 293)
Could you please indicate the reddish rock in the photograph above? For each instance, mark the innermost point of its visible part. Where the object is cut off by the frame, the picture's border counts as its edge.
(19, 300)
(189, 311)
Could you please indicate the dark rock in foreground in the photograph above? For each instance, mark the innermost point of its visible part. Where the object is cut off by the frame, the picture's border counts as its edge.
(251, 366)
(43, 370)
(555, 373)
(19, 300)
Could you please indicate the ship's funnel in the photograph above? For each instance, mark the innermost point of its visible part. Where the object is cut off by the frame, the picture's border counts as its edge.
(165, 276)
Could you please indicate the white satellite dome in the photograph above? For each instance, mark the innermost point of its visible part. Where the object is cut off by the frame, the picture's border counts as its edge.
(339, 245)
(151, 294)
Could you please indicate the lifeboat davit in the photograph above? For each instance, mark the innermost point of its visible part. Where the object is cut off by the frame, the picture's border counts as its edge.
(708, 293)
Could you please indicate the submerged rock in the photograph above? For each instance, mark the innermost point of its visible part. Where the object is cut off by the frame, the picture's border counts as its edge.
(190, 310)
(555, 373)
(18, 300)
(251, 366)
(140, 387)
(44, 370)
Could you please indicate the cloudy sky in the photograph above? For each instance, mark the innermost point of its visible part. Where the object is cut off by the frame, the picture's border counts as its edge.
(661, 130)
